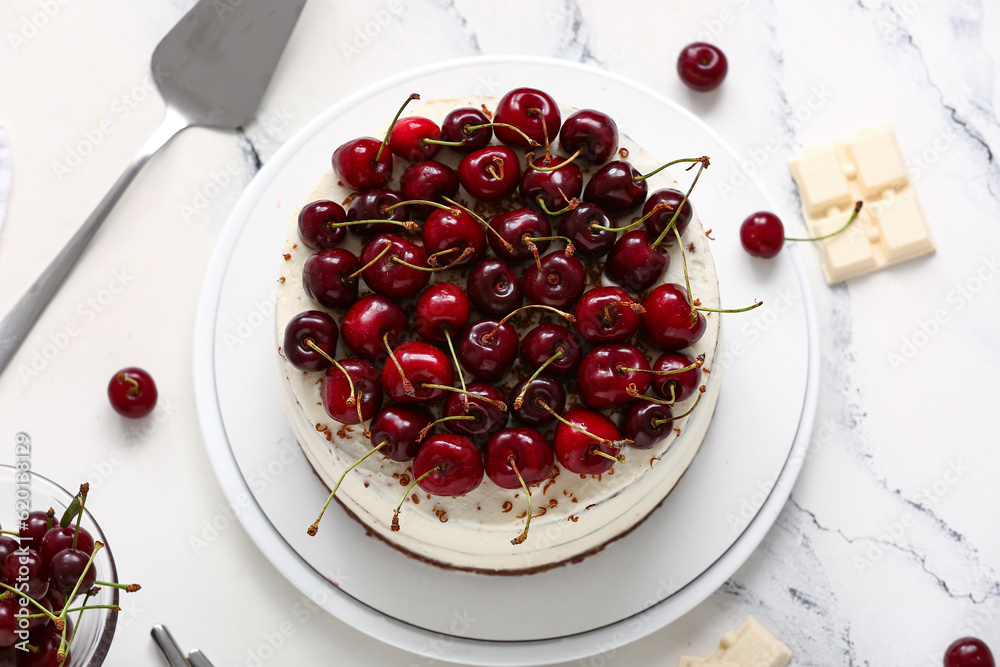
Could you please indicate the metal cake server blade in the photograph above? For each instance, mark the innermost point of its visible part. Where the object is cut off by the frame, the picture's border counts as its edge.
(212, 69)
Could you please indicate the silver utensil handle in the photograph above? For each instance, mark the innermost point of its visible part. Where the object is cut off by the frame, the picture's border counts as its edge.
(16, 325)
(168, 646)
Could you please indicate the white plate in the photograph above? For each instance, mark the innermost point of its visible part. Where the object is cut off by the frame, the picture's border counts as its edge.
(708, 526)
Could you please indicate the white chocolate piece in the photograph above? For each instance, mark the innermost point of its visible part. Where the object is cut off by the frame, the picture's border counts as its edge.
(687, 661)
(870, 168)
(752, 646)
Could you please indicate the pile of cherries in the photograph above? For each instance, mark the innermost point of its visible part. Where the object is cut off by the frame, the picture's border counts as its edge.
(543, 217)
(47, 577)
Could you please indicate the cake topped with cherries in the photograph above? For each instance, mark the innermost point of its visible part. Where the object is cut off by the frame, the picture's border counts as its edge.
(496, 331)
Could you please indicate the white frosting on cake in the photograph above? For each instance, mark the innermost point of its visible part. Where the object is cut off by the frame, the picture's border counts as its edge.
(573, 514)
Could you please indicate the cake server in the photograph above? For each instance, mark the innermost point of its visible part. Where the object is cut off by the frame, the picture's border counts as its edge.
(212, 69)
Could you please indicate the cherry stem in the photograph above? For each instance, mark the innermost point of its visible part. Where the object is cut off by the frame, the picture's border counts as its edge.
(432, 258)
(133, 389)
(659, 422)
(84, 490)
(519, 400)
(529, 158)
(545, 406)
(488, 337)
(500, 405)
(570, 205)
(673, 371)
(425, 202)
(545, 131)
(475, 216)
(385, 142)
(388, 244)
(427, 429)
(314, 528)
(570, 248)
(395, 515)
(431, 269)
(687, 282)
(469, 129)
(69, 598)
(310, 343)
(524, 533)
(684, 263)
(635, 307)
(30, 599)
(756, 304)
(595, 449)
(458, 368)
(407, 385)
(702, 165)
(857, 209)
(703, 160)
(496, 169)
(407, 224)
(660, 206)
(128, 588)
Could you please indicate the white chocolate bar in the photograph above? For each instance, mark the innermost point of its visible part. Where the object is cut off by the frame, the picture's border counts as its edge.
(752, 646)
(687, 661)
(891, 227)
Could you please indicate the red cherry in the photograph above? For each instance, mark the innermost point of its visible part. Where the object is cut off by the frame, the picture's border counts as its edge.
(66, 569)
(366, 323)
(461, 465)
(26, 568)
(702, 66)
(634, 264)
(513, 227)
(530, 110)
(488, 351)
(441, 307)
(541, 344)
(400, 424)
(762, 234)
(407, 139)
(132, 392)
(551, 191)
(58, 538)
(422, 364)
(455, 124)
(314, 221)
(669, 200)
(355, 164)
(560, 285)
(372, 205)
(606, 315)
(317, 328)
(487, 417)
(593, 133)
(327, 277)
(604, 379)
(530, 452)
(670, 323)
(576, 450)
(428, 181)
(968, 652)
(675, 386)
(493, 288)
(32, 530)
(579, 226)
(645, 423)
(391, 272)
(543, 389)
(615, 189)
(491, 173)
(337, 390)
(455, 230)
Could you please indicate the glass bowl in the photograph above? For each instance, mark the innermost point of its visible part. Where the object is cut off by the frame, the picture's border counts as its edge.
(96, 627)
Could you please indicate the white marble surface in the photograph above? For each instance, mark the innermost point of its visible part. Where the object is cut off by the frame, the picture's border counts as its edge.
(888, 549)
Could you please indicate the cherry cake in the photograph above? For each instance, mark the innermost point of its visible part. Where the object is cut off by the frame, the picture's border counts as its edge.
(561, 399)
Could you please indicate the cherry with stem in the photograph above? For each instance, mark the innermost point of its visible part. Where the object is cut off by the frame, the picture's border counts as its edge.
(395, 515)
(314, 528)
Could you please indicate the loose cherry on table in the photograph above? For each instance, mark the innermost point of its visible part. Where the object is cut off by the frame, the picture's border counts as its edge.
(702, 66)
(371, 324)
(763, 235)
(591, 231)
(490, 174)
(304, 333)
(551, 184)
(414, 366)
(645, 423)
(330, 277)
(530, 110)
(352, 391)
(552, 346)
(401, 425)
(968, 652)
(612, 375)
(314, 224)
(446, 465)
(540, 397)
(606, 315)
(487, 349)
(587, 442)
(494, 288)
(556, 280)
(428, 180)
(593, 133)
(132, 392)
